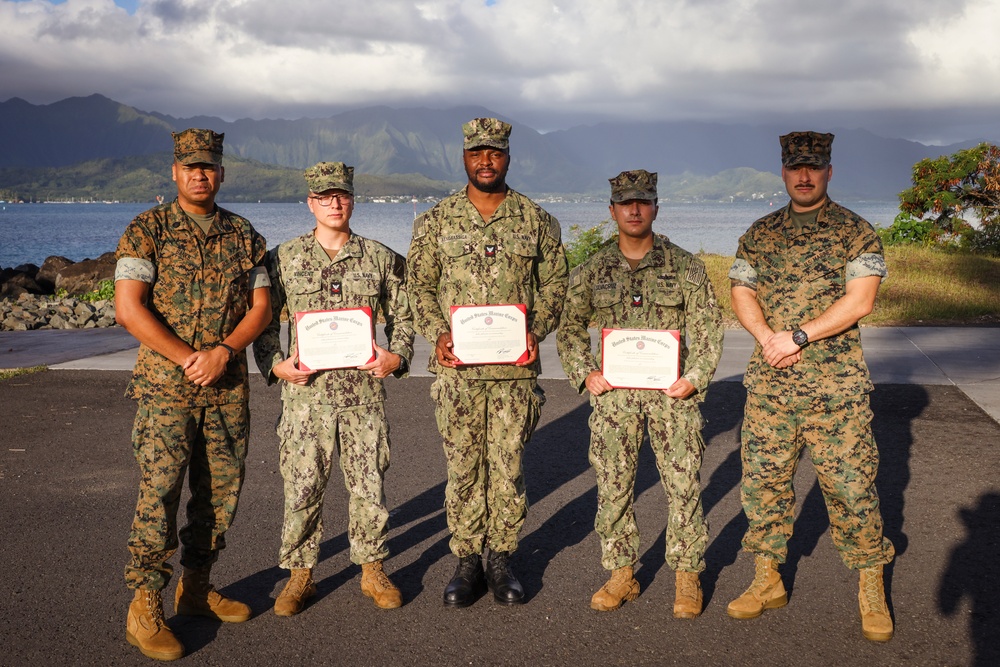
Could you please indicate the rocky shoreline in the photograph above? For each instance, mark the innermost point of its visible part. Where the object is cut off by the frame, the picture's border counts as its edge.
(39, 297)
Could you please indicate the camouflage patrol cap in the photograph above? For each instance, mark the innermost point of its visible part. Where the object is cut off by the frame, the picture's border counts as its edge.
(806, 148)
(490, 132)
(193, 146)
(324, 176)
(633, 184)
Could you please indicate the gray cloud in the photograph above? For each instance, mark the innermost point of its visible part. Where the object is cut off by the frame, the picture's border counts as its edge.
(549, 62)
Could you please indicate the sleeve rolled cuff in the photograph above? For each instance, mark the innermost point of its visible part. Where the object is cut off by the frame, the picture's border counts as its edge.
(259, 278)
(135, 268)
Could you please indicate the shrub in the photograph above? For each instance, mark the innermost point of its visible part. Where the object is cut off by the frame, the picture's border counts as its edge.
(584, 243)
(907, 230)
(104, 292)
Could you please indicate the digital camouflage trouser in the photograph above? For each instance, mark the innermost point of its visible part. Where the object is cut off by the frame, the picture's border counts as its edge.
(485, 425)
(838, 437)
(210, 443)
(675, 436)
(312, 435)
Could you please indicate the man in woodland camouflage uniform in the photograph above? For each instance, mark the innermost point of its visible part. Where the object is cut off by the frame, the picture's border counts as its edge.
(643, 281)
(485, 245)
(191, 287)
(336, 412)
(802, 278)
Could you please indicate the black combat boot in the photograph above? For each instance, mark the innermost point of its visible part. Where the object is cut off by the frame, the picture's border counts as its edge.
(467, 584)
(505, 586)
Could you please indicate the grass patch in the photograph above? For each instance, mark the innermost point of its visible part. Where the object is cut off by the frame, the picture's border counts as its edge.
(925, 287)
(6, 374)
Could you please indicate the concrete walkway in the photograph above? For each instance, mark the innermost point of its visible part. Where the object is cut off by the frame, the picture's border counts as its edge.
(965, 357)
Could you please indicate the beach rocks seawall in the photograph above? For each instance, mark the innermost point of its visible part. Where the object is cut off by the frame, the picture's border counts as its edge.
(33, 297)
(33, 311)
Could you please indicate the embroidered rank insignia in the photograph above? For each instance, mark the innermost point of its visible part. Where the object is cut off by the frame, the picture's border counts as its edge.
(491, 250)
(637, 300)
(335, 287)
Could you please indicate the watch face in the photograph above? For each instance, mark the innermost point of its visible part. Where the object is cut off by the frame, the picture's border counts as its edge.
(800, 338)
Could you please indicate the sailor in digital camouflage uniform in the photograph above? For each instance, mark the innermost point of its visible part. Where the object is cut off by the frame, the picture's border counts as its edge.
(191, 287)
(803, 277)
(486, 244)
(339, 412)
(640, 280)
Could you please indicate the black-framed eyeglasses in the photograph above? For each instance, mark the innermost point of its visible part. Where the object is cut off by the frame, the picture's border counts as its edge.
(326, 200)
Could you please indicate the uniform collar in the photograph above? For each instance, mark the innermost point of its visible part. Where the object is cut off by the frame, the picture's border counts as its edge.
(352, 248)
(180, 220)
(510, 207)
(656, 257)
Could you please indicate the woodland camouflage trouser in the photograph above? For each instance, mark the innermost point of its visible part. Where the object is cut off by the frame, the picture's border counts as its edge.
(485, 425)
(210, 443)
(837, 434)
(311, 437)
(675, 436)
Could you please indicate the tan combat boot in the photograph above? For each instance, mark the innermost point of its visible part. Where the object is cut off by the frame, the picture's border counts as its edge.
(766, 592)
(146, 629)
(687, 595)
(195, 596)
(876, 624)
(300, 587)
(375, 583)
(620, 588)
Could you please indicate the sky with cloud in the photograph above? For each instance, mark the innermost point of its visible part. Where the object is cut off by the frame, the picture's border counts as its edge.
(919, 69)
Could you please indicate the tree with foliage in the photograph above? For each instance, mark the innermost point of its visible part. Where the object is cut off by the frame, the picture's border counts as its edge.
(585, 242)
(947, 186)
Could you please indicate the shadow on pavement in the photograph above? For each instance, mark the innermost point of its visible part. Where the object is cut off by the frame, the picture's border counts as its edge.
(972, 573)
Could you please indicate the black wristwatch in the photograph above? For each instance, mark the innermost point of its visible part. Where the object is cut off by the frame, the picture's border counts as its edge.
(231, 351)
(800, 338)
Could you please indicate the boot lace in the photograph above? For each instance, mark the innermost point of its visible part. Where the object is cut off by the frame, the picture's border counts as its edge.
(763, 571)
(873, 590)
(687, 587)
(379, 577)
(469, 567)
(499, 564)
(154, 605)
(298, 583)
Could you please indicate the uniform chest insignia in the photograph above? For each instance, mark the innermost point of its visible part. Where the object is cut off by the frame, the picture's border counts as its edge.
(491, 250)
(335, 287)
(637, 301)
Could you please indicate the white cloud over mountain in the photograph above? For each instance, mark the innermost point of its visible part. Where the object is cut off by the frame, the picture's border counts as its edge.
(919, 68)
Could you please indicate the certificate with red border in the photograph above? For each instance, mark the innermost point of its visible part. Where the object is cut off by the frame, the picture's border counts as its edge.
(640, 358)
(496, 334)
(334, 338)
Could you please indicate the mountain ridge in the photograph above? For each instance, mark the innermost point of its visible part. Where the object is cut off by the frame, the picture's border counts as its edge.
(383, 141)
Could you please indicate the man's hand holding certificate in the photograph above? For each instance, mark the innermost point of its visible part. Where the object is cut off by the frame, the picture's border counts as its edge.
(495, 334)
(329, 339)
(640, 358)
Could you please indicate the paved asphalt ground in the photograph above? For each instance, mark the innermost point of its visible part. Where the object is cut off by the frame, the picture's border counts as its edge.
(68, 485)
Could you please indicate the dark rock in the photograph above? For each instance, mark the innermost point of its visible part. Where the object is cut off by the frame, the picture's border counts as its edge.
(18, 284)
(86, 276)
(51, 267)
(30, 269)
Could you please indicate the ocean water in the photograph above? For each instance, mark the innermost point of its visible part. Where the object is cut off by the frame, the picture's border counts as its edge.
(31, 232)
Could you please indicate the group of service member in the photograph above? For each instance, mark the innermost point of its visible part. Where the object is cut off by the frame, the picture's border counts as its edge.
(196, 285)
